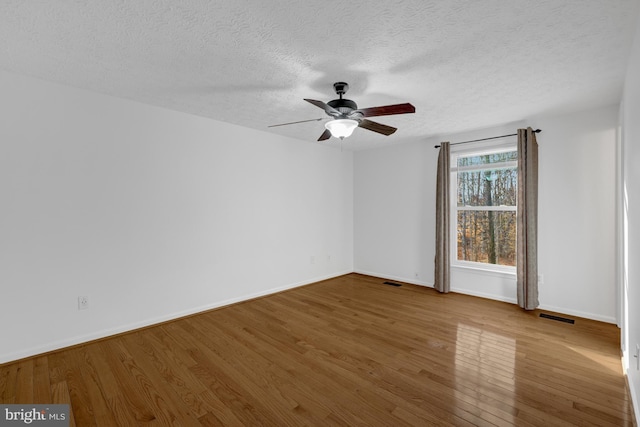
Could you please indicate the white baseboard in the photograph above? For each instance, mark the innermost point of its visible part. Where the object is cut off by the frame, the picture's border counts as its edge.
(485, 295)
(397, 278)
(625, 362)
(634, 401)
(57, 345)
(577, 313)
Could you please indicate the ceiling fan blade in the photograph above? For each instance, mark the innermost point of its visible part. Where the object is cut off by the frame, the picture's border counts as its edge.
(376, 127)
(325, 135)
(386, 110)
(327, 108)
(293, 123)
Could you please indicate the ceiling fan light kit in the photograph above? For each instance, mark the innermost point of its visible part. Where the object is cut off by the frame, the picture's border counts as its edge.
(345, 115)
(341, 128)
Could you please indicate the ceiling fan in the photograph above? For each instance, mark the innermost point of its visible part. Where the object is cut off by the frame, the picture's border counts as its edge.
(346, 116)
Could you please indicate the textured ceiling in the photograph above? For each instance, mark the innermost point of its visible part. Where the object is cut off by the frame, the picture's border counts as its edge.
(463, 64)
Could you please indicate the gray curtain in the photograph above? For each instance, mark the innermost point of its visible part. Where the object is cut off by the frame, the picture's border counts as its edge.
(441, 282)
(527, 220)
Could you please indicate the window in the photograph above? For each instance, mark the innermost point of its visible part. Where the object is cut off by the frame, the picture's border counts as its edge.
(484, 208)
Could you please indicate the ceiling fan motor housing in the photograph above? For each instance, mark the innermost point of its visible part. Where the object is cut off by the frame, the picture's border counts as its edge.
(345, 106)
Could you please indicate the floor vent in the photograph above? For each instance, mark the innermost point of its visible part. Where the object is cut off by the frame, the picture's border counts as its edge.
(558, 318)
(392, 284)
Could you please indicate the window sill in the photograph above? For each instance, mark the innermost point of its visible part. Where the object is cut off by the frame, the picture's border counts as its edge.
(507, 273)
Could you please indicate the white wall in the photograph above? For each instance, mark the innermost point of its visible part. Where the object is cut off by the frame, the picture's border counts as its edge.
(577, 213)
(394, 190)
(152, 214)
(394, 231)
(630, 211)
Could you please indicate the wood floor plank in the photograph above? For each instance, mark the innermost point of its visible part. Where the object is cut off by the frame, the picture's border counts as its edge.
(8, 378)
(341, 352)
(89, 367)
(169, 408)
(60, 395)
(67, 363)
(41, 381)
(99, 372)
(128, 389)
(24, 382)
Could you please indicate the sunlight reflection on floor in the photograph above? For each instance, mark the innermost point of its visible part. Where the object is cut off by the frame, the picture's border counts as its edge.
(484, 357)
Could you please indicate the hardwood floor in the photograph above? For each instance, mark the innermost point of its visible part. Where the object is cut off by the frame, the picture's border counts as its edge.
(346, 351)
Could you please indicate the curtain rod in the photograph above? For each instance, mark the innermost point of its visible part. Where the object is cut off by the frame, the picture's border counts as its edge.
(486, 139)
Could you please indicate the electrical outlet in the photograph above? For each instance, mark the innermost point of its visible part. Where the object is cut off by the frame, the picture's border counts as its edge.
(637, 356)
(417, 275)
(83, 303)
(540, 278)
(312, 259)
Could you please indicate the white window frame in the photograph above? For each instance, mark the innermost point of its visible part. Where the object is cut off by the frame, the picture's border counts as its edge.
(475, 150)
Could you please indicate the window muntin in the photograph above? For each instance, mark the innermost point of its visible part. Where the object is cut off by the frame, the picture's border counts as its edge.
(484, 208)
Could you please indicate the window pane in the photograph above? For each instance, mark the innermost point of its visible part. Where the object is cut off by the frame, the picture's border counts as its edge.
(487, 159)
(493, 187)
(487, 236)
